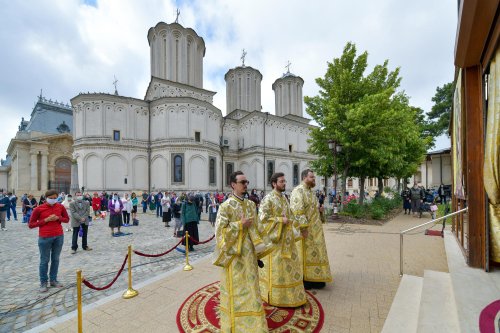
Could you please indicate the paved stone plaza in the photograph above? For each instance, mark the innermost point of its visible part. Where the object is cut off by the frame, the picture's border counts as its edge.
(365, 266)
(364, 261)
(23, 307)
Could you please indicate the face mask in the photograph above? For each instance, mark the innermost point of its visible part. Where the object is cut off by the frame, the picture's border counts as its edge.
(51, 201)
(115, 197)
(79, 197)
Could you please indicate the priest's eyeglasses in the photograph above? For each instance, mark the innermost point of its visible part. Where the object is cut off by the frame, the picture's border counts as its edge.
(243, 182)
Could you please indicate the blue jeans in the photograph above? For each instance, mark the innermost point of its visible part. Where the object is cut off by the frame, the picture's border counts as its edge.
(50, 250)
(13, 208)
(159, 210)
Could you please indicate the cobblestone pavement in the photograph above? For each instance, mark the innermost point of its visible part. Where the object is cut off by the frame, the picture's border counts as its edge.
(21, 305)
(364, 261)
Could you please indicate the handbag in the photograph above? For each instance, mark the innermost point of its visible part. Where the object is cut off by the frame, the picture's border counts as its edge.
(180, 233)
(80, 232)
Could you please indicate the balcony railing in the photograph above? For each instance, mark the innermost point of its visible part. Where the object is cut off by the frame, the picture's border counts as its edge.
(417, 227)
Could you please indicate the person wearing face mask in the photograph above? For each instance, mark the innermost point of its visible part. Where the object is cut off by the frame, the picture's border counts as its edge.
(48, 218)
(80, 211)
(115, 206)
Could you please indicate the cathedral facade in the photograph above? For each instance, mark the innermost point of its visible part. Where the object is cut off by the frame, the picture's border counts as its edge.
(176, 139)
(40, 155)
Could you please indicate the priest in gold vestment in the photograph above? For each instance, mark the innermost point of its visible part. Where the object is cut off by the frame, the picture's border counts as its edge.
(281, 277)
(238, 245)
(312, 249)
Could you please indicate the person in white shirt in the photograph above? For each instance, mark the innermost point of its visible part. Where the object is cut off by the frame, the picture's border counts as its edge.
(67, 200)
(127, 209)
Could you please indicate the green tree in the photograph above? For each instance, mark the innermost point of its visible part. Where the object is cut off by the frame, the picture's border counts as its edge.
(439, 116)
(366, 114)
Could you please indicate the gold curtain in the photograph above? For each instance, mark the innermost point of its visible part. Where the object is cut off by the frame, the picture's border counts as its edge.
(492, 156)
(458, 179)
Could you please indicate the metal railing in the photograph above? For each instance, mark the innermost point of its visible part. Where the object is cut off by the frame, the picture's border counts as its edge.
(416, 227)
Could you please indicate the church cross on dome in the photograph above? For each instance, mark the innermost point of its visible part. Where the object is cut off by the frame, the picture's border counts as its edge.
(178, 12)
(288, 67)
(243, 55)
(115, 82)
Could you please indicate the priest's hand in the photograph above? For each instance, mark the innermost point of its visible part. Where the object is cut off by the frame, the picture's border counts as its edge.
(304, 233)
(246, 222)
(285, 219)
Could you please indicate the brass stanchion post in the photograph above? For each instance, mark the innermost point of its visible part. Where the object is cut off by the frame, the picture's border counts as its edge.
(79, 299)
(130, 292)
(187, 267)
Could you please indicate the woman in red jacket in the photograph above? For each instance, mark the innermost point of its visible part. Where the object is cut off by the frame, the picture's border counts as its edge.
(96, 205)
(48, 218)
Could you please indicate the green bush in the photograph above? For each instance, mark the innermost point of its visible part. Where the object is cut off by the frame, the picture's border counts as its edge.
(353, 209)
(377, 212)
(377, 209)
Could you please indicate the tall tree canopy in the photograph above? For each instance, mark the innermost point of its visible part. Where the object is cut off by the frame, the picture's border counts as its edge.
(439, 116)
(372, 121)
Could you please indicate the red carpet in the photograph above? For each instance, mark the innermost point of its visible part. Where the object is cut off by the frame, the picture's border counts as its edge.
(489, 319)
(198, 314)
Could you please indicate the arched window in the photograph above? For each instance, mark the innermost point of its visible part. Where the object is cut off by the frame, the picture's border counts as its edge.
(178, 174)
(229, 171)
(270, 171)
(295, 174)
(211, 171)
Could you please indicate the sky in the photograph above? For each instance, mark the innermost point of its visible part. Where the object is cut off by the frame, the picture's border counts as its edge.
(64, 47)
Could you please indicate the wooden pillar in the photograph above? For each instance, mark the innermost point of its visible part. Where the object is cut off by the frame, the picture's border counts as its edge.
(474, 142)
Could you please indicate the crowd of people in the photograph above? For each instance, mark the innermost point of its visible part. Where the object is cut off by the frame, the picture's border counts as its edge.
(416, 199)
(269, 228)
(53, 210)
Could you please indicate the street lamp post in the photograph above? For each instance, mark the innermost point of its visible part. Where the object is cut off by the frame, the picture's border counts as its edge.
(335, 148)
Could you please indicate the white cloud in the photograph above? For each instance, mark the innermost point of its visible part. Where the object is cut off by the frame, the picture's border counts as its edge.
(65, 47)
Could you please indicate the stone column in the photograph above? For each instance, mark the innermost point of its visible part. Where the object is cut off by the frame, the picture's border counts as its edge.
(44, 172)
(34, 171)
(74, 177)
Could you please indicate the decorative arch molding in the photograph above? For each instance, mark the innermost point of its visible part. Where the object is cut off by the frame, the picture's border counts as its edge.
(257, 161)
(244, 166)
(87, 156)
(283, 165)
(139, 180)
(53, 159)
(197, 156)
(159, 156)
(198, 174)
(93, 182)
(120, 156)
(115, 174)
(139, 157)
(160, 171)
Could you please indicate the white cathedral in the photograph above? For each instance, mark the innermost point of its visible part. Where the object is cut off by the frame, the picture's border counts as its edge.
(176, 139)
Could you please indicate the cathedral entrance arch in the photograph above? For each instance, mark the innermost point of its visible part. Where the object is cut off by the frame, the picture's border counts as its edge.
(62, 175)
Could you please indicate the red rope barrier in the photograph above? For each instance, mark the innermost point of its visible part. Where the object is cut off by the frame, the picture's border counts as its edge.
(159, 254)
(198, 243)
(91, 286)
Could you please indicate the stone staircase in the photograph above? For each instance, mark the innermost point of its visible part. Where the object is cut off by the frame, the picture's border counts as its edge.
(443, 302)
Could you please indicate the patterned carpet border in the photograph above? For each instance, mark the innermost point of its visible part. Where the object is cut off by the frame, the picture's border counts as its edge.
(198, 314)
